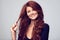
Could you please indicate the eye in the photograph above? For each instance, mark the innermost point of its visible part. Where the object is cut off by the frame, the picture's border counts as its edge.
(28, 11)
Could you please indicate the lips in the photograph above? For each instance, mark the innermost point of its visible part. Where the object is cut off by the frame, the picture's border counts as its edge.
(32, 15)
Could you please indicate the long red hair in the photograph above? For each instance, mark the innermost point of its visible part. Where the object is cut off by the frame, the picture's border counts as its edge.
(25, 21)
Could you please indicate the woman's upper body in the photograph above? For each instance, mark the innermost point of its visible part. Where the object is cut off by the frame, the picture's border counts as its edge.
(31, 13)
(44, 34)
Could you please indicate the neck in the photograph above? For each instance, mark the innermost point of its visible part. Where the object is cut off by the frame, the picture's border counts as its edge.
(32, 21)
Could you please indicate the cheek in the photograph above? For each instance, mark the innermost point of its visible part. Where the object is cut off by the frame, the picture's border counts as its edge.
(36, 15)
(28, 14)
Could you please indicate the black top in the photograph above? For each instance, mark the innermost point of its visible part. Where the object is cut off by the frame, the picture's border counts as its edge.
(44, 33)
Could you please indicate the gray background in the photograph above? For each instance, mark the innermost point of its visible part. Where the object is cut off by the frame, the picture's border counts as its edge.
(10, 10)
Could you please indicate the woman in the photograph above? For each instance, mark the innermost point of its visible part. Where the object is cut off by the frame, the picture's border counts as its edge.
(32, 26)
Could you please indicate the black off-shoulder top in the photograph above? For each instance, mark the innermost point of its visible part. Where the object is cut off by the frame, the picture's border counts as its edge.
(44, 33)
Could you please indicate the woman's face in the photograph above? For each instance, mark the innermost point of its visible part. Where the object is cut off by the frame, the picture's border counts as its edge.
(32, 14)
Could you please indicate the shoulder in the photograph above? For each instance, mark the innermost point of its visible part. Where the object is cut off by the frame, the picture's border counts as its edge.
(45, 32)
(46, 26)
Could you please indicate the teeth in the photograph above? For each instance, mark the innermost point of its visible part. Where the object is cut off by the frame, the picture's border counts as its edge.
(32, 15)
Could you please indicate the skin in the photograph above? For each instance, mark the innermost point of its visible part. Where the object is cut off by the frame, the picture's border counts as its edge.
(13, 31)
(32, 14)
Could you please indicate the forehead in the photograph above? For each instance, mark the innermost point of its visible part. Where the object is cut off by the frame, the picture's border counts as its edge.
(29, 8)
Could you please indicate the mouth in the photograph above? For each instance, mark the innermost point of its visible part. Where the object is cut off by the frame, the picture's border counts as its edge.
(33, 16)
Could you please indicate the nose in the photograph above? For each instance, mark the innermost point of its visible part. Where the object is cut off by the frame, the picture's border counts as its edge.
(32, 13)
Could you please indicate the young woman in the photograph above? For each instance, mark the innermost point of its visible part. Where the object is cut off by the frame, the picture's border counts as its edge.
(32, 26)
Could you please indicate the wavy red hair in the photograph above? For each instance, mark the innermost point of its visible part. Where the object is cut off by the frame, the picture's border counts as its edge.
(25, 21)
